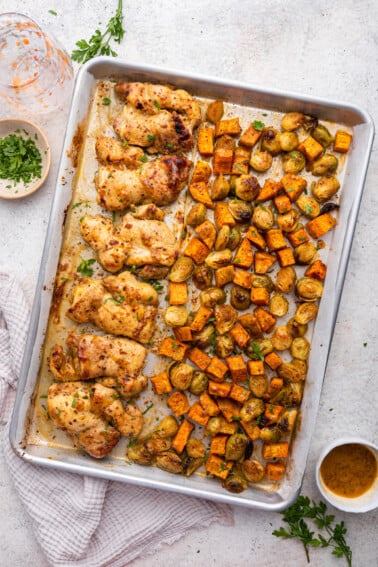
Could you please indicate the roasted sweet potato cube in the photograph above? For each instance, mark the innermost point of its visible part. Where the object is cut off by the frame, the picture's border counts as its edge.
(298, 237)
(342, 141)
(222, 215)
(274, 388)
(181, 438)
(275, 239)
(250, 136)
(237, 368)
(265, 319)
(201, 318)
(207, 233)
(240, 335)
(222, 161)
(177, 293)
(294, 185)
(321, 225)
(217, 369)
(161, 383)
(242, 278)
(244, 255)
(256, 237)
(251, 429)
(209, 405)
(218, 444)
(317, 270)
(275, 450)
(200, 193)
(285, 257)
(275, 471)
(260, 296)
(201, 172)
(221, 390)
(241, 161)
(255, 367)
(205, 141)
(230, 409)
(183, 334)
(198, 414)
(215, 111)
(270, 189)
(273, 412)
(174, 349)
(230, 126)
(196, 250)
(178, 403)
(239, 393)
(250, 322)
(199, 358)
(217, 466)
(263, 262)
(282, 204)
(273, 360)
(310, 148)
(225, 275)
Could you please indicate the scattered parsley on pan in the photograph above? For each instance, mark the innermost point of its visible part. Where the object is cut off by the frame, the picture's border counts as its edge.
(98, 43)
(20, 159)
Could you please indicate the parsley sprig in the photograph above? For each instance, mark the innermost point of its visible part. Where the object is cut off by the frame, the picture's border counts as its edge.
(295, 516)
(99, 43)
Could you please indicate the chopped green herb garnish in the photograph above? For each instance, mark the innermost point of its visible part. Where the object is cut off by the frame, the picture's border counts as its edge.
(84, 268)
(365, 344)
(157, 286)
(106, 101)
(143, 158)
(150, 137)
(239, 168)
(115, 396)
(74, 399)
(257, 350)
(20, 159)
(258, 125)
(147, 409)
(308, 209)
(157, 105)
(75, 205)
(43, 396)
(52, 12)
(170, 146)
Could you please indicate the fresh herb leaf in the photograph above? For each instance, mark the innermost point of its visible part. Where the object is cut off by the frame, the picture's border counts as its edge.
(75, 205)
(74, 399)
(147, 409)
(143, 158)
(106, 101)
(157, 285)
(257, 350)
(150, 137)
(20, 159)
(157, 105)
(258, 125)
(99, 43)
(52, 12)
(84, 268)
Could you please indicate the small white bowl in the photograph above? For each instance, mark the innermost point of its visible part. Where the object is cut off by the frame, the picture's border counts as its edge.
(368, 500)
(9, 190)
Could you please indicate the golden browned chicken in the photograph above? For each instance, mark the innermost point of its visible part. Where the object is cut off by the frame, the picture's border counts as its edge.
(70, 408)
(112, 150)
(129, 312)
(133, 242)
(158, 181)
(95, 356)
(128, 418)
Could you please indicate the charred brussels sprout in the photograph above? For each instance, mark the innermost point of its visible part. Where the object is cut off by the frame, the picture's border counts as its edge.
(309, 289)
(190, 464)
(263, 217)
(195, 448)
(290, 395)
(251, 409)
(291, 121)
(258, 385)
(327, 163)
(270, 434)
(325, 188)
(322, 135)
(170, 462)
(225, 318)
(202, 277)
(220, 188)
(168, 427)
(240, 298)
(196, 215)
(224, 345)
(181, 375)
(236, 481)
(288, 222)
(288, 141)
(270, 141)
(285, 280)
(308, 206)
(257, 348)
(234, 239)
(219, 259)
(293, 162)
(176, 315)
(289, 372)
(181, 270)
(205, 337)
(253, 470)
(305, 253)
(138, 453)
(157, 445)
(212, 296)
(240, 210)
(261, 161)
(246, 187)
(263, 281)
(305, 313)
(296, 329)
(236, 446)
(199, 383)
(222, 238)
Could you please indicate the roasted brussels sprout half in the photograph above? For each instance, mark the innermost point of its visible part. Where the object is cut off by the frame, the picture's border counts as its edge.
(240, 210)
(219, 259)
(213, 426)
(181, 375)
(138, 453)
(212, 296)
(309, 289)
(288, 141)
(205, 337)
(240, 298)
(305, 253)
(202, 276)
(309, 122)
(287, 420)
(246, 187)
(322, 135)
(258, 385)
(263, 217)
(225, 318)
(308, 206)
(325, 188)
(215, 111)
(278, 305)
(181, 270)
(196, 215)
(290, 395)
(176, 315)
(224, 345)
(235, 482)
(170, 462)
(270, 434)
(195, 448)
(293, 162)
(300, 348)
(281, 339)
(168, 427)
(234, 239)
(328, 207)
(222, 238)
(251, 409)
(236, 446)
(270, 141)
(289, 372)
(261, 161)
(305, 313)
(297, 329)
(253, 470)
(291, 121)
(257, 348)
(190, 464)
(327, 163)
(285, 279)
(199, 383)
(220, 188)
(263, 281)
(157, 445)
(288, 222)
(301, 365)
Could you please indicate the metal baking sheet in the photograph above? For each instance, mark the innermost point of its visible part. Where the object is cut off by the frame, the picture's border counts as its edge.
(30, 441)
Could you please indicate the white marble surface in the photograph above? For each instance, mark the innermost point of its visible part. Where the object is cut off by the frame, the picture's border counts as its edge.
(322, 48)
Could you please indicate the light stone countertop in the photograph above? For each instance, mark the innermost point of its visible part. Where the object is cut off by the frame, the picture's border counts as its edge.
(322, 48)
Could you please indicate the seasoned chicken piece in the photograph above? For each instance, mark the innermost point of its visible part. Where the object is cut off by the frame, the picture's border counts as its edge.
(133, 242)
(128, 419)
(135, 292)
(159, 181)
(112, 150)
(94, 356)
(69, 406)
(148, 212)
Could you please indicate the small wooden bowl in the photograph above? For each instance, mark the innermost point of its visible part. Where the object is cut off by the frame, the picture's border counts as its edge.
(8, 189)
